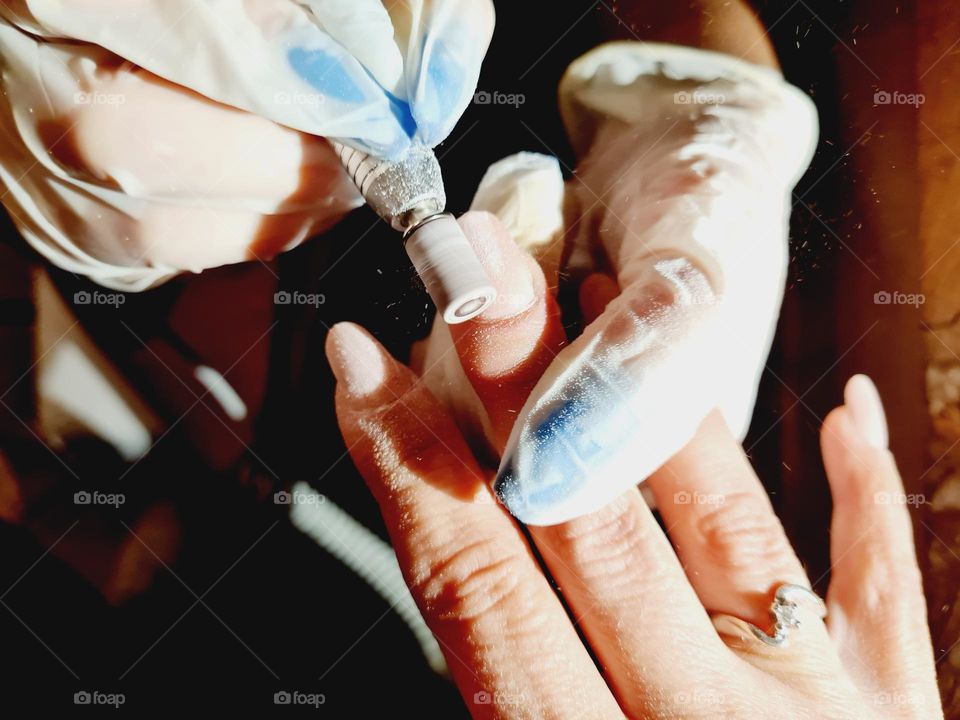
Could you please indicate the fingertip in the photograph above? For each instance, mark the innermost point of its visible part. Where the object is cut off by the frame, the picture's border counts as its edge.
(859, 471)
(514, 274)
(360, 364)
(521, 331)
(862, 398)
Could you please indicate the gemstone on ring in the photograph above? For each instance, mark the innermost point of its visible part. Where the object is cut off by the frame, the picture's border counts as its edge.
(784, 612)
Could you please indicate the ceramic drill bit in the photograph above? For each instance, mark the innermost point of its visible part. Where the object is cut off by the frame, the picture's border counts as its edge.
(408, 193)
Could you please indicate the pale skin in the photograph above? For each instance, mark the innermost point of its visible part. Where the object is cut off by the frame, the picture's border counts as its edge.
(640, 601)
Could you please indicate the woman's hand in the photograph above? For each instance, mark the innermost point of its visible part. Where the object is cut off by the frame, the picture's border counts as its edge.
(628, 629)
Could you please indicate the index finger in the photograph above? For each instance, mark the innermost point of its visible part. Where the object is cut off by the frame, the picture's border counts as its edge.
(504, 633)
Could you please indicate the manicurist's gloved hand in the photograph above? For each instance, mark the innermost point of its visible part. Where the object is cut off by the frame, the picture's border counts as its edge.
(142, 138)
(681, 200)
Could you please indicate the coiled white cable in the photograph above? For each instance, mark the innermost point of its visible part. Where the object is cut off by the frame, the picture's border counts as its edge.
(373, 560)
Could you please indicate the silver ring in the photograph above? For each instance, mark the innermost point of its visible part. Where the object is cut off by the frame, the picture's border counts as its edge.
(783, 610)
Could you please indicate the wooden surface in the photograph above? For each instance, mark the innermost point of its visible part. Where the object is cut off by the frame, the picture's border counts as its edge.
(938, 136)
(878, 213)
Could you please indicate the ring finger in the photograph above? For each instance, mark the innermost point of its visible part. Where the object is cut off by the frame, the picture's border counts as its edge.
(726, 532)
(735, 551)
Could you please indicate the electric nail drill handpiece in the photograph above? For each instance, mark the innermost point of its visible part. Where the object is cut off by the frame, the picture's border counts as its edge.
(408, 193)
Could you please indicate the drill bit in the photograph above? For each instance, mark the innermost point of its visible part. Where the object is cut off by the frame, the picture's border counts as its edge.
(408, 194)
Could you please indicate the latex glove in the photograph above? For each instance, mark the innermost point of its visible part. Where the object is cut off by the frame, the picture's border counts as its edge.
(684, 190)
(143, 138)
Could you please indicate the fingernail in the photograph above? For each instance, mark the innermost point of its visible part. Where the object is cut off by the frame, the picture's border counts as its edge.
(356, 360)
(507, 266)
(866, 410)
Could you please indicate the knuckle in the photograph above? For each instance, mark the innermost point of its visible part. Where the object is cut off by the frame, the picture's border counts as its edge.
(671, 292)
(743, 534)
(882, 577)
(476, 580)
(611, 548)
(601, 528)
(408, 432)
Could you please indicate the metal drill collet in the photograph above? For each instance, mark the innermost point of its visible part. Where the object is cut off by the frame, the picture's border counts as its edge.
(408, 193)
